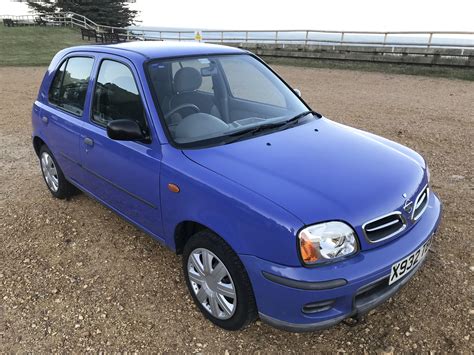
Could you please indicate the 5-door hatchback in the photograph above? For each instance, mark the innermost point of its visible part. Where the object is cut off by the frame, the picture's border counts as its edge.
(277, 211)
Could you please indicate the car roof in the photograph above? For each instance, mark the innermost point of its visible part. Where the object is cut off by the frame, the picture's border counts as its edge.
(159, 49)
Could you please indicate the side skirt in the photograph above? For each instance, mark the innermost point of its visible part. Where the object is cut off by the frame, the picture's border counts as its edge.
(120, 214)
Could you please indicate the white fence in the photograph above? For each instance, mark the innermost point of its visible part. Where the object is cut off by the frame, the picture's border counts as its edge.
(428, 39)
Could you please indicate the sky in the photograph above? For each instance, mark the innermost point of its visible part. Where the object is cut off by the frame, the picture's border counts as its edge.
(354, 15)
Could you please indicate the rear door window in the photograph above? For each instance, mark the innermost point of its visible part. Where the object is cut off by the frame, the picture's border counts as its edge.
(69, 87)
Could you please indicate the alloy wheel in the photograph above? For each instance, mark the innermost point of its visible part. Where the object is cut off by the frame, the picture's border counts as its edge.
(50, 172)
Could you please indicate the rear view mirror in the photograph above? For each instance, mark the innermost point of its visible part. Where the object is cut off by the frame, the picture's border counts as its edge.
(125, 130)
(297, 92)
(209, 71)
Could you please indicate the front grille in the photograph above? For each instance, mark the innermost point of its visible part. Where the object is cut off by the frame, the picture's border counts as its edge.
(384, 227)
(421, 203)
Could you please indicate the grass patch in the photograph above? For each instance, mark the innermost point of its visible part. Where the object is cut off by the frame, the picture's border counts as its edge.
(34, 45)
(391, 68)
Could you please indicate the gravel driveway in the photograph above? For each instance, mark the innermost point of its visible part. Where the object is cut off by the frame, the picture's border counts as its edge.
(75, 277)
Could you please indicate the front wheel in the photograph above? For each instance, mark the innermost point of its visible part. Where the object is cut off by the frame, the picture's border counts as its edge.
(218, 282)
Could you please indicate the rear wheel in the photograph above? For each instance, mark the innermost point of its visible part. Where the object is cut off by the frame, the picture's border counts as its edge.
(53, 175)
(218, 282)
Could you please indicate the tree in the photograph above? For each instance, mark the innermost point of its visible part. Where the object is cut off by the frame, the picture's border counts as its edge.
(114, 13)
(43, 7)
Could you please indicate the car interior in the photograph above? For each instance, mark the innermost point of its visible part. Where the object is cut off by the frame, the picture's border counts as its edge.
(196, 99)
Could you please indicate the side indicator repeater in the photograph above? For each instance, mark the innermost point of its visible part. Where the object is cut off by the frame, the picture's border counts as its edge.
(173, 188)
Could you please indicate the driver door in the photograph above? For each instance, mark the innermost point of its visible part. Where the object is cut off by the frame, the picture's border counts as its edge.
(122, 174)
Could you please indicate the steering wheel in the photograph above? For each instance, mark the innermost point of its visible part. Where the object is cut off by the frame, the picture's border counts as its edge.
(181, 107)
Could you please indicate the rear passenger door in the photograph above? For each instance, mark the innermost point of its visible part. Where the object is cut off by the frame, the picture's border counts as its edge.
(62, 117)
(123, 174)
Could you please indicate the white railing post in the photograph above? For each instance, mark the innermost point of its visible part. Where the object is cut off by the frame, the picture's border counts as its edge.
(246, 36)
(276, 37)
(429, 39)
(222, 36)
(385, 38)
(342, 38)
(306, 39)
(179, 36)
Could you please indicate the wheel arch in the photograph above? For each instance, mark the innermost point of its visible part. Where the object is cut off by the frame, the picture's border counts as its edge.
(184, 230)
(37, 144)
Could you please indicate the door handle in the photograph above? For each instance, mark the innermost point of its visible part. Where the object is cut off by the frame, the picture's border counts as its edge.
(89, 141)
(44, 119)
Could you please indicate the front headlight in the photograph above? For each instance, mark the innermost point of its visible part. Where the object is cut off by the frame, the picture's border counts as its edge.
(327, 241)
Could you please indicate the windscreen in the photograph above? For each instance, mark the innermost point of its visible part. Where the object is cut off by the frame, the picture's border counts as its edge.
(210, 99)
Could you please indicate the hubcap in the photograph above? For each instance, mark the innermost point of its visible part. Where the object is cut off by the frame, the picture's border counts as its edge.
(212, 283)
(50, 172)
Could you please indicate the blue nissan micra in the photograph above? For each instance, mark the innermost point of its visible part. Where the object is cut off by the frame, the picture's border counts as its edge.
(278, 212)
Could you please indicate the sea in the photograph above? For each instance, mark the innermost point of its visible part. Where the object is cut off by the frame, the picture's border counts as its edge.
(313, 37)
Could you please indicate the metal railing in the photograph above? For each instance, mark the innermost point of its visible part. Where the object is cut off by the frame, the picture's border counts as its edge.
(428, 39)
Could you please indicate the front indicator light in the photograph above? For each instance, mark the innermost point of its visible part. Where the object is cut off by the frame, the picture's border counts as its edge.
(308, 251)
(327, 241)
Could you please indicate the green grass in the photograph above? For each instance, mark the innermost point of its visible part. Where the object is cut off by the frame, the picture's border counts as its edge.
(409, 69)
(34, 45)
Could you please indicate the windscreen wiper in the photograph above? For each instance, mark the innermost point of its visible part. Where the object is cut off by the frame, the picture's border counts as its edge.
(245, 133)
(239, 135)
(296, 118)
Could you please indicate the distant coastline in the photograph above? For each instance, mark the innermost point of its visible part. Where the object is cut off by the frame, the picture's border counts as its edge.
(294, 37)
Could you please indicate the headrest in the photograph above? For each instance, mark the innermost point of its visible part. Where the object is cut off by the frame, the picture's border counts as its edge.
(187, 79)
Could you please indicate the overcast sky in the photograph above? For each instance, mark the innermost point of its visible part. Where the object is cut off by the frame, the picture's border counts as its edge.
(376, 15)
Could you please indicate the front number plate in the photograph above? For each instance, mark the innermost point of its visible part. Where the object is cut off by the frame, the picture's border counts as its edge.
(402, 268)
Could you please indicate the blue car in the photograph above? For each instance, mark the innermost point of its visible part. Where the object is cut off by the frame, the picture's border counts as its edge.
(277, 211)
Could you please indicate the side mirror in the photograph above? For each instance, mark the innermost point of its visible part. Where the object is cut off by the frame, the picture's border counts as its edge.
(125, 130)
(297, 92)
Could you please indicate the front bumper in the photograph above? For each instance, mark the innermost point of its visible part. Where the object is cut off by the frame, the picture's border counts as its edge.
(307, 299)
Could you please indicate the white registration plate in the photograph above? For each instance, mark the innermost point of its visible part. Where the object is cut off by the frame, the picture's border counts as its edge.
(404, 266)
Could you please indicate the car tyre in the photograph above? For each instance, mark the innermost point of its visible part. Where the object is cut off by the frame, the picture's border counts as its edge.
(53, 175)
(222, 289)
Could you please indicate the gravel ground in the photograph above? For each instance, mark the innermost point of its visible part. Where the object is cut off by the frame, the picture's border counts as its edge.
(75, 277)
